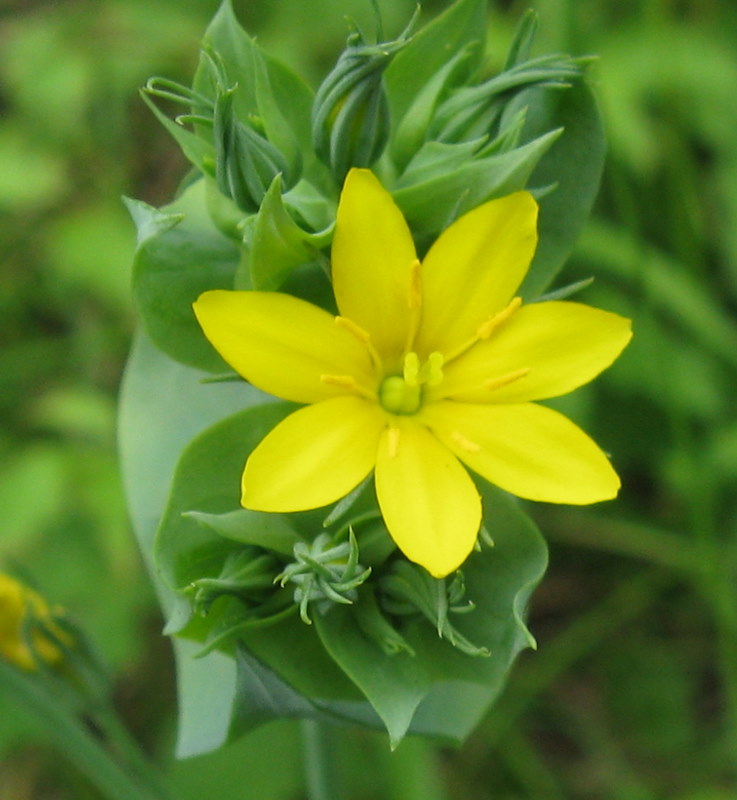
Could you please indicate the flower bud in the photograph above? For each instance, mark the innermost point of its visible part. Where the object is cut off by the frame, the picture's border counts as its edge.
(474, 111)
(350, 114)
(27, 629)
(246, 162)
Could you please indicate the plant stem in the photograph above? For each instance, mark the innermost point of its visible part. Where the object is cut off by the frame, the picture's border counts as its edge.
(70, 735)
(319, 767)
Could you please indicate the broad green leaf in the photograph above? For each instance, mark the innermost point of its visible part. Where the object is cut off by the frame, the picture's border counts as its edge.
(207, 479)
(433, 204)
(172, 267)
(499, 581)
(462, 27)
(271, 531)
(152, 432)
(574, 164)
(278, 244)
(394, 685)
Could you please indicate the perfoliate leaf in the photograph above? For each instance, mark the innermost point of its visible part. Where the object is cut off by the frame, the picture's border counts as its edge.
(152, 432)
(270, 531)
(574, 163)
(394, 685)
(207, 479)
(182, 256)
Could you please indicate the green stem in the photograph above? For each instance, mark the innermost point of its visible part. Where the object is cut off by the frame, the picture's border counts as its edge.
(70, 735)
(320, 769)
(413, 772)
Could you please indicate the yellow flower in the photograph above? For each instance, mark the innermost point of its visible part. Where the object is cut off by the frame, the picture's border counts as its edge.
(427, 365)
(17, 603)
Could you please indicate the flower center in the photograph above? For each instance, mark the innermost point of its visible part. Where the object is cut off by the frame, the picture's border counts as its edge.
(402, 394)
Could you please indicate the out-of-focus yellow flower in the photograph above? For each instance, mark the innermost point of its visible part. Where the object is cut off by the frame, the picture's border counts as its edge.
(427, 365)
(18, 603)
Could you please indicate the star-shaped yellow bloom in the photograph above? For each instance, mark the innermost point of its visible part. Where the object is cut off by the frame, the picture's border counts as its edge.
(427, 365)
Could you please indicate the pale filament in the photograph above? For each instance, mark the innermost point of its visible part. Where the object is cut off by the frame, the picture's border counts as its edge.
(505, 380)
(414, 303)
(349, 383)
(486, 329)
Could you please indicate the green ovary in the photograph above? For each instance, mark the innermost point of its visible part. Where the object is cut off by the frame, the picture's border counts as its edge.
(402, 394)
(399, 397)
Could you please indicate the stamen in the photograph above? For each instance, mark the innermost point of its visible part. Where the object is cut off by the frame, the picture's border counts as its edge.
(363, 336)
(505, 380)
(349, 383)
(415, 285)
(393, 442)
(487, 328)
(414, 303)
(464, 443)
(344, 381)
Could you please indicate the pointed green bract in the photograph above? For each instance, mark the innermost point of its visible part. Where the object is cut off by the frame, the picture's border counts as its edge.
(278, 245)
(461, 28)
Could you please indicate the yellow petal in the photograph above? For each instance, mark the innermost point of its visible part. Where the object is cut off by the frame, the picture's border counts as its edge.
(526, 449)
(313, 457)
(473, 270)
(429, 502)
(563, 345)
(374, 264)
(284, 345)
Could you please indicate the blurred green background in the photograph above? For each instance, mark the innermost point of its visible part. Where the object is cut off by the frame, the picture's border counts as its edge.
(632, 694)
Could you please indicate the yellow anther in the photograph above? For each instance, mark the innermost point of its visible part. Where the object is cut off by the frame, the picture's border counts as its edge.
(464, 443)
(356, 330)
(393, 442)
(490, 325)
(415, 285)
(505, 380)
(363, 336)
(344, 381)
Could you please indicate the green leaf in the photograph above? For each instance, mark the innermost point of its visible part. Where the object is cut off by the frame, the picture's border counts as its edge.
(461, 28)
(433, 204)
(574, 164)
(499, 581)
(152, 432)
(181, 256)
(271, 531)
(411, 128)
(395, 685)
(207, 479)
(278, 244)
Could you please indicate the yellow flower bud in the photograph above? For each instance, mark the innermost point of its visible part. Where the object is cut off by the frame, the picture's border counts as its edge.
(18, 605)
